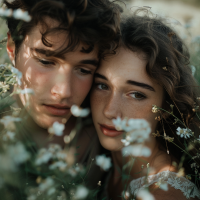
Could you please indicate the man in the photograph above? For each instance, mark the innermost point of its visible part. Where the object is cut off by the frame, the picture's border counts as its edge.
(58, 52)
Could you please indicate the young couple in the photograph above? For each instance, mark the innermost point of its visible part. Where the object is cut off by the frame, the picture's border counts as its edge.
(66, 45)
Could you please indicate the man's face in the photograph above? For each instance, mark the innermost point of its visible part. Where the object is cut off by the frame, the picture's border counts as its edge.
(58, 83)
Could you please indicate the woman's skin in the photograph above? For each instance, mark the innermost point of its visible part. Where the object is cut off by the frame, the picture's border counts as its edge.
(122, 88)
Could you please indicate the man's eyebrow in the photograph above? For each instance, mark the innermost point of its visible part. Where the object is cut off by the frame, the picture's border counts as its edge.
(93, 62)
(47, 52)
(143, 85)
(97, 75)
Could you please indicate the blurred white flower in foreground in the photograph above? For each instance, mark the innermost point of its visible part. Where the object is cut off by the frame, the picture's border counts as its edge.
(81, 192)
(184, 132)
(7, 120)
(103, 162)
(17, 73)
(59, 164)
(144, 194)
(136, 150)
(137, 130)
(26, 91)
(57, 129)
(162, 184)
(79, 112)
(14, 155)
(5, 12)
(21, 15)
(9, 136)
(48, 186)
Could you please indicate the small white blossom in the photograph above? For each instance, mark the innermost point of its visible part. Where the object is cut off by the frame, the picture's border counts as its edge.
(144, 194)
(60, 164)
(184, 132)
(136, 150)
(27, 91)
(48, 182)
(57, 129)
(103, 162)
(5, 12)
(6, 120)
(119, 123)
(162, 184)
(17, 74)
(43, 156)
(21, 15)
(9, 136)
(81, 192)
(79, 112)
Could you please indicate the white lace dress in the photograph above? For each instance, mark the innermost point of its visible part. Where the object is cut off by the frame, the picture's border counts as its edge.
(166, 177)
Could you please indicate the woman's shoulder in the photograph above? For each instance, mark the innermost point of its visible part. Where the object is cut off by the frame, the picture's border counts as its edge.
(166, 185)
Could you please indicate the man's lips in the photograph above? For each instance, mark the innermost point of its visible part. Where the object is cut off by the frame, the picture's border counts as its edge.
(56, 109)
(109, 130)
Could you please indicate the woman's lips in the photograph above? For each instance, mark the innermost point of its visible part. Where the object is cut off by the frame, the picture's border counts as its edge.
(59, 111)
(109, 130)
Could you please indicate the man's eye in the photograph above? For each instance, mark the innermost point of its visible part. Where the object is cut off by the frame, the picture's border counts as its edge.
(46, 62)
(84, 71)
(137, 95)
(101, 86)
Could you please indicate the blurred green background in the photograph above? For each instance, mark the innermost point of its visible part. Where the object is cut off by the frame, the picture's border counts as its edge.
(183, 15)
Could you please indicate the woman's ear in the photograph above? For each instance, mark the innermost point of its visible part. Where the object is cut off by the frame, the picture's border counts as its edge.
(11, 48)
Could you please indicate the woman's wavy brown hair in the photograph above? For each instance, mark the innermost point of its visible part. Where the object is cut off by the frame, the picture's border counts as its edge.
(92, 22)
(168, 64)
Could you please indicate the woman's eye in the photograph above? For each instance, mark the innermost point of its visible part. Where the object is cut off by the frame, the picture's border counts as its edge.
(137, 95)
(84, 71)
(101, 86)
(46, 62)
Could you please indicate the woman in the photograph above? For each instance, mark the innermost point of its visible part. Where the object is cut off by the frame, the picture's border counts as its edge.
(150, 68)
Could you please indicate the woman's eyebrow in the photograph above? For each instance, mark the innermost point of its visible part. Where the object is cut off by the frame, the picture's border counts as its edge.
(97, 75)
(143, 85)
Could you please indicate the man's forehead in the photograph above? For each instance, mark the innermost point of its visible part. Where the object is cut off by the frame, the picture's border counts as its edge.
(59, 40)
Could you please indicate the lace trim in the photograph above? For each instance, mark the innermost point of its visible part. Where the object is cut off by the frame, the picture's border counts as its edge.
(188, 188)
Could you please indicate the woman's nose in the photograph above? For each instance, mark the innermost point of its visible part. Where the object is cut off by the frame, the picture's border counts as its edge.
(112, 107)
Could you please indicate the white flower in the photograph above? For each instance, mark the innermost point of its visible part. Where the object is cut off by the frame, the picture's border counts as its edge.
(22, 15)
(57, 129)
(5, 12)
(81, 192)
(119, 123)
(136, 150)
(43, 156)
(193, 69)
(125, 142)
(17, 73)
(46, 184)
(27, 91)
(9, 135)
(6, 120)
(103, 162)
(60, 164)
(184, 132)
(162, 184)
(144, 194)
(79, 112)
(19, 153)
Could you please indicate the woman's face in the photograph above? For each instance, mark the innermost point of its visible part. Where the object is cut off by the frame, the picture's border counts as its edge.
(122, 89)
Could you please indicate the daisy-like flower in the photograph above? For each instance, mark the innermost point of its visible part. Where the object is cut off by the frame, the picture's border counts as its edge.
(136, 150)
(22, 15)
(154, 109)
(184, 132)
(144, 194)
(79, 112)
(57, 129)
(103, 162)
(17, 74)
(81, 192)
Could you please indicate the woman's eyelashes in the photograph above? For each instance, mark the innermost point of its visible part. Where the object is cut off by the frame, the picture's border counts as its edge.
(137, 95)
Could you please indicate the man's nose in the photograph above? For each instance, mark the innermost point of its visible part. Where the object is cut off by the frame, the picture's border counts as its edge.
(62, 86)
(112, 108)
